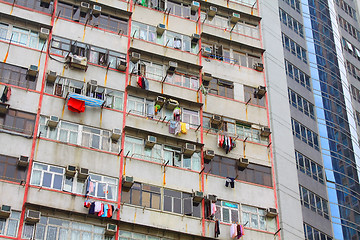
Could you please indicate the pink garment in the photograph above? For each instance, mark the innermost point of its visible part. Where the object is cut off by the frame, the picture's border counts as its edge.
(91, 186)
(97, 207)
(213, 208)
(8, 94)
(101, 212)
(233, 231)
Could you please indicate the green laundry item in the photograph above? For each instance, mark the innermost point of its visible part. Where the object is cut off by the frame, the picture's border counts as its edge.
(157, 108)
(144, 3)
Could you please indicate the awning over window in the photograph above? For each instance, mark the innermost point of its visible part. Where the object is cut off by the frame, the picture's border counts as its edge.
(89, 101)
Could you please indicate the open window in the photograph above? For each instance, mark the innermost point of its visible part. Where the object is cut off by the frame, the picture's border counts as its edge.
(79, 49)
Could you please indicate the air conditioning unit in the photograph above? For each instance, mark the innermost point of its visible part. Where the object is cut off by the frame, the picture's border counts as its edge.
(265, 132)
(3, 108)
(260, 92)
(52, 122)
(45, 3)
(150, 141)
(271, 212)
(121, 65)
(212, 11)
(91, 85)
(171, 104)
(172, 67)
(23, 161)
(32, 70)
(135, 57)
(216, 119)
(51, 76)
(208, 155)
(189, 149)
(212, 198)
(110, 229)
(32, 216)
(259, 67)
(195, 38)
(235, 17)
(198, 196)
(77, 62)
(116, 134)
(242, 163)
(206, 77)
(195, 6)
(160, 101)
(206, 51)
(160, 28)
(84, 7)
(96, 10)
(44, 33)
(70, 171)
(5, 211)
(83, 173)
(127, 181)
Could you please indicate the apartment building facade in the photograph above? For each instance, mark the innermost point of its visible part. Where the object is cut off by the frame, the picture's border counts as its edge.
(144, 120)
(321, 52)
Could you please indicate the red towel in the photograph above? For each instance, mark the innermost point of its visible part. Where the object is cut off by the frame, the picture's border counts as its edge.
(140, 82)
(76, 105)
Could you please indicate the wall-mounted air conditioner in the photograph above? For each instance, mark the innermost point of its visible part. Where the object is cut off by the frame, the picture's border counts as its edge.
(96, 10)
(206, 51)
(52, 121)
(83, 173)
(32, 216)
(84, 7)
(195, 6)
(172, 67)
(195, 38)
(160, 28)
(259, 67)
(198, 196)
(235, 17)
(51, 76)
(216, 119)
(23, 161)
(127, 181)
(208, 155)
(206, 77)
(44, 33)
(212, 198)
(116, 134)
(212, 11)
(271, 212)
(32, 71)
(121, 65)
(189, 149)
(110, 229)
(5, 211)
(265, 132)
(70, 171)
(135, 57)
(77, 62)
(242, 162)
(4, 108)
(260, 92)
(150, 141)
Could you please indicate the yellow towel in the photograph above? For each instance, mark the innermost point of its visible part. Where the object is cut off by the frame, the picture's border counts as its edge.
(183, 127)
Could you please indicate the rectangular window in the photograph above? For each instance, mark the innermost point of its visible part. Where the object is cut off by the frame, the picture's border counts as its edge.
(305, 134)
(249, 95)
(253, 217)
(227, 212)
(18, 121)
(80, 135)
(10, 171)
(314, 202)
(104, 187)
(15, 75)
(9, 226)
(47, 176)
